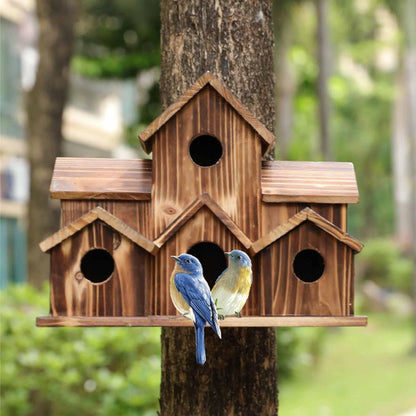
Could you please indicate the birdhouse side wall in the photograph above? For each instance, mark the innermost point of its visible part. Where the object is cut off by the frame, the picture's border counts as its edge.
(233, 182)
(136, 214)
(203, 227)
(275, 214)
(281, 292)
(122, 294)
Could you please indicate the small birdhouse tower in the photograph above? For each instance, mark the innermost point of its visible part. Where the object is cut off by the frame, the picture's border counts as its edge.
(206, 191)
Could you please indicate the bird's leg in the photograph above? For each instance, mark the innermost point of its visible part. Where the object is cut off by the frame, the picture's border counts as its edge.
(238, 314)
(221, 317)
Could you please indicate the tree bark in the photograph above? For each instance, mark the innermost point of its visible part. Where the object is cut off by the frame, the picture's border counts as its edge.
(323, 76)
(235, 42)
(400, 150)
(45, 104)
(410, 71)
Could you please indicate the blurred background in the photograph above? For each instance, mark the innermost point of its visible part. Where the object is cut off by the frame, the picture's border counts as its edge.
(345, 91)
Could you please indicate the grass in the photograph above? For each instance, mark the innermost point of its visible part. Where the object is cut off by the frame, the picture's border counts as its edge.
(362, 372)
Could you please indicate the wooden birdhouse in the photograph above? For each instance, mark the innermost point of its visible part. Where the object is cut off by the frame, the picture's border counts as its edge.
(206, 191)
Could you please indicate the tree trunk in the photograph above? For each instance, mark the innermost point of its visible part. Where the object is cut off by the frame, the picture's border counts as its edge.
(400, 150)
(323, 76)
(235, 42)
(285, 86)
(45, 104)
(410, 70)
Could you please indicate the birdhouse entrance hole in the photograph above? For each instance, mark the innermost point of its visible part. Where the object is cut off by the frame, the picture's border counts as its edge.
(308, 265)
(97, 265)
(212, 259)
(205, 150)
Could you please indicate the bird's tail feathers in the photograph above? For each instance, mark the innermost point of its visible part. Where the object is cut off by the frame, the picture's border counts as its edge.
(200, 344)
(214, 320)
(216, 327)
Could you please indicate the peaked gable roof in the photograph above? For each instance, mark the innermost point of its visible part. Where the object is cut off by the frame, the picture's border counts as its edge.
(266, 136)
(204, 200)
(98, 213)
(306, 214)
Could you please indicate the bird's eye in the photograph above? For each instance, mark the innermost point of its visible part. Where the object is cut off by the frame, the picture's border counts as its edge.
(239, 257)
(188, 261)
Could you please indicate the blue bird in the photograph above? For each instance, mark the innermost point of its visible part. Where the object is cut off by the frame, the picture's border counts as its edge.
(191, 296)
(231, 289)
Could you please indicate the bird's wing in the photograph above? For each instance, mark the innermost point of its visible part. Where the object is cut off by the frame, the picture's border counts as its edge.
(221, 275)
(214, 319)
(196, 293)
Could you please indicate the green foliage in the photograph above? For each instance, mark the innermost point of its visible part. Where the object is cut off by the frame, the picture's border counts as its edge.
(384, 263)
(362, 372)
(298, 348)
(67, 371)
(361, 94)
(117, 39)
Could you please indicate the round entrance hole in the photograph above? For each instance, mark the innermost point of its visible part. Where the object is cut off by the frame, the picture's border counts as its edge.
(308, 265)
(97, 265)
(205, 150)
(212, 259)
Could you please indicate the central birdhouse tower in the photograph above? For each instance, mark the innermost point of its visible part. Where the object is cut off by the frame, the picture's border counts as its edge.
(205, 191)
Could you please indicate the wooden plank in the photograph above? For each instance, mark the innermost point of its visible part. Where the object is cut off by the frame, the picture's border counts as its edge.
(233, 182)
(334, 231)
(192, 209)
(123, 291)
(135, 214)
(312, 182)
(88, 218)
(179, 321)
(203, 227)
(306, 214)
(281, 292)
(101, 178)
(146, 137)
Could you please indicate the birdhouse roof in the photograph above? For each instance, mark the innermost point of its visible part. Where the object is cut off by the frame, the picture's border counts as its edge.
(101, 178)
(267, 137)
(312, 182)
(306, 214)
(98, 213)
(203, 200)
(131, 179)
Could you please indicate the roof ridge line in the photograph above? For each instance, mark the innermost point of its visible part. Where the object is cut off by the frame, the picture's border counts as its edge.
(306, 214)
(202, 200)
(88, 218)
(208, 78)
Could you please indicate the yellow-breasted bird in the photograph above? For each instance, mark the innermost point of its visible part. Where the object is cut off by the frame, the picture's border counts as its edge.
(232, 287)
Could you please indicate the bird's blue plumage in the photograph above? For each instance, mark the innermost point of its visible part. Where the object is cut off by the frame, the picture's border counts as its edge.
(194, 288)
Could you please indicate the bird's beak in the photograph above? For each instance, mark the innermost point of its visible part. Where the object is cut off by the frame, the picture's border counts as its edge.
(227, 253)
(176, 258)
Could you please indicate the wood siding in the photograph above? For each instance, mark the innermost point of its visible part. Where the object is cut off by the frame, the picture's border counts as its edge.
(136, 214)
(101, 178)
(323, 182)
(234, 182)
(274, 214)
(121, 295)
(203, 227)
(280, 292)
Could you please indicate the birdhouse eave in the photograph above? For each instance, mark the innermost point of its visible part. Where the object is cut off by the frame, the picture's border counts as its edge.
(306, 214)
(95, 214)
(266, 136)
